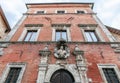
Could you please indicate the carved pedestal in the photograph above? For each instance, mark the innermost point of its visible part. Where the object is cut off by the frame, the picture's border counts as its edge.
(43, 64)
(81, 65)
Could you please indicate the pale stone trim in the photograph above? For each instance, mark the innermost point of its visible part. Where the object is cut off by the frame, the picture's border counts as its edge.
(53, 34)
(100, 38)
(68, 34)
(12, 32)
(7, 69)
(71, 68)
(61, 28)
(100, 66)
(1, 51)
(99, 35)
(25, 32)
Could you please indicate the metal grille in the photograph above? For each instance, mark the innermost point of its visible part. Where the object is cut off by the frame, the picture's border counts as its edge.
(110, 75)
(13, 75)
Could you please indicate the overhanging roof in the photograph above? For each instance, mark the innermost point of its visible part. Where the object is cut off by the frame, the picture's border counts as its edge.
(91, 4)
(114, 30)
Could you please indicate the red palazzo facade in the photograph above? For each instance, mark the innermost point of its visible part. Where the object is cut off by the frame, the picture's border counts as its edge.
(60, 43)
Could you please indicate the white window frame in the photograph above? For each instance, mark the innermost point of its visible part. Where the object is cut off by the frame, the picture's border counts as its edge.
(116, 69)
(98, 35)
(14, 65)
(60, 10)
(26, 29)
(61, 28)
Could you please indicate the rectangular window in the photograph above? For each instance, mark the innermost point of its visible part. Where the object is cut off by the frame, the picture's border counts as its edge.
(31, 35)
(91, 36)
(13, 75)
(60, 12)
(40, 12)
(61, 34)
(80, 12)
(110, 75)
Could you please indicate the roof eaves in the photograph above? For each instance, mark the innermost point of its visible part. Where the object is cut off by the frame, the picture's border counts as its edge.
(92, 4)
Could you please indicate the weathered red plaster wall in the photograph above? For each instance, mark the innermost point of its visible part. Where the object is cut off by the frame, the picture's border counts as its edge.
(29, 53)
(69, 18)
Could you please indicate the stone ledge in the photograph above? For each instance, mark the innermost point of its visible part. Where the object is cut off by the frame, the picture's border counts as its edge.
(48, 42)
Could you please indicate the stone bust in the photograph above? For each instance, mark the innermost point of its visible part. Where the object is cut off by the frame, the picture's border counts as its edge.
(62, 52)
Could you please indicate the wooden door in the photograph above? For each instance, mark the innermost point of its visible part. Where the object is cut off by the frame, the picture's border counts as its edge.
(62, 76)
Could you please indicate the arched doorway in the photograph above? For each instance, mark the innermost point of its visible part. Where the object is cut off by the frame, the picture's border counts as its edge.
(62, 76)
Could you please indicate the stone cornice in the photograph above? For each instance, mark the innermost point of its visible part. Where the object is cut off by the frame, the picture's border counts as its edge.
(61, 25)
(63, 4)
(58, 14)
(33, 25)
(87, 25)
(48, 42)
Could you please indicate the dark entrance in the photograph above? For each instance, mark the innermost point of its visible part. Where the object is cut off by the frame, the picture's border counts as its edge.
(62, 76)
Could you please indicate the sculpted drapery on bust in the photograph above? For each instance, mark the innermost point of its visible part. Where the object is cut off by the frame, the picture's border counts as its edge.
(61, 53)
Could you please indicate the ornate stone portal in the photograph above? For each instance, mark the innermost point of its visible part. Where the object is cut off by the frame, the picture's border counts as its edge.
(61, 51)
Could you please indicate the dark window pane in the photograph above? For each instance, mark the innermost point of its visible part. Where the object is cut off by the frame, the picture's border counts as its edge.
(13, 75)
(110, 75)
(40, 12)
(61, 12)
(80, 12)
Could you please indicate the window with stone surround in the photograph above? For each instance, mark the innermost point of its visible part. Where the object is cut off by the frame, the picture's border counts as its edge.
(13, 73)
(91, 36)
(91, 32)
(61, 31)
(60, 11)
(61, 34)
(30, 32)
(109, 73)
(80, 12)
(40, 12)
(31, 35)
